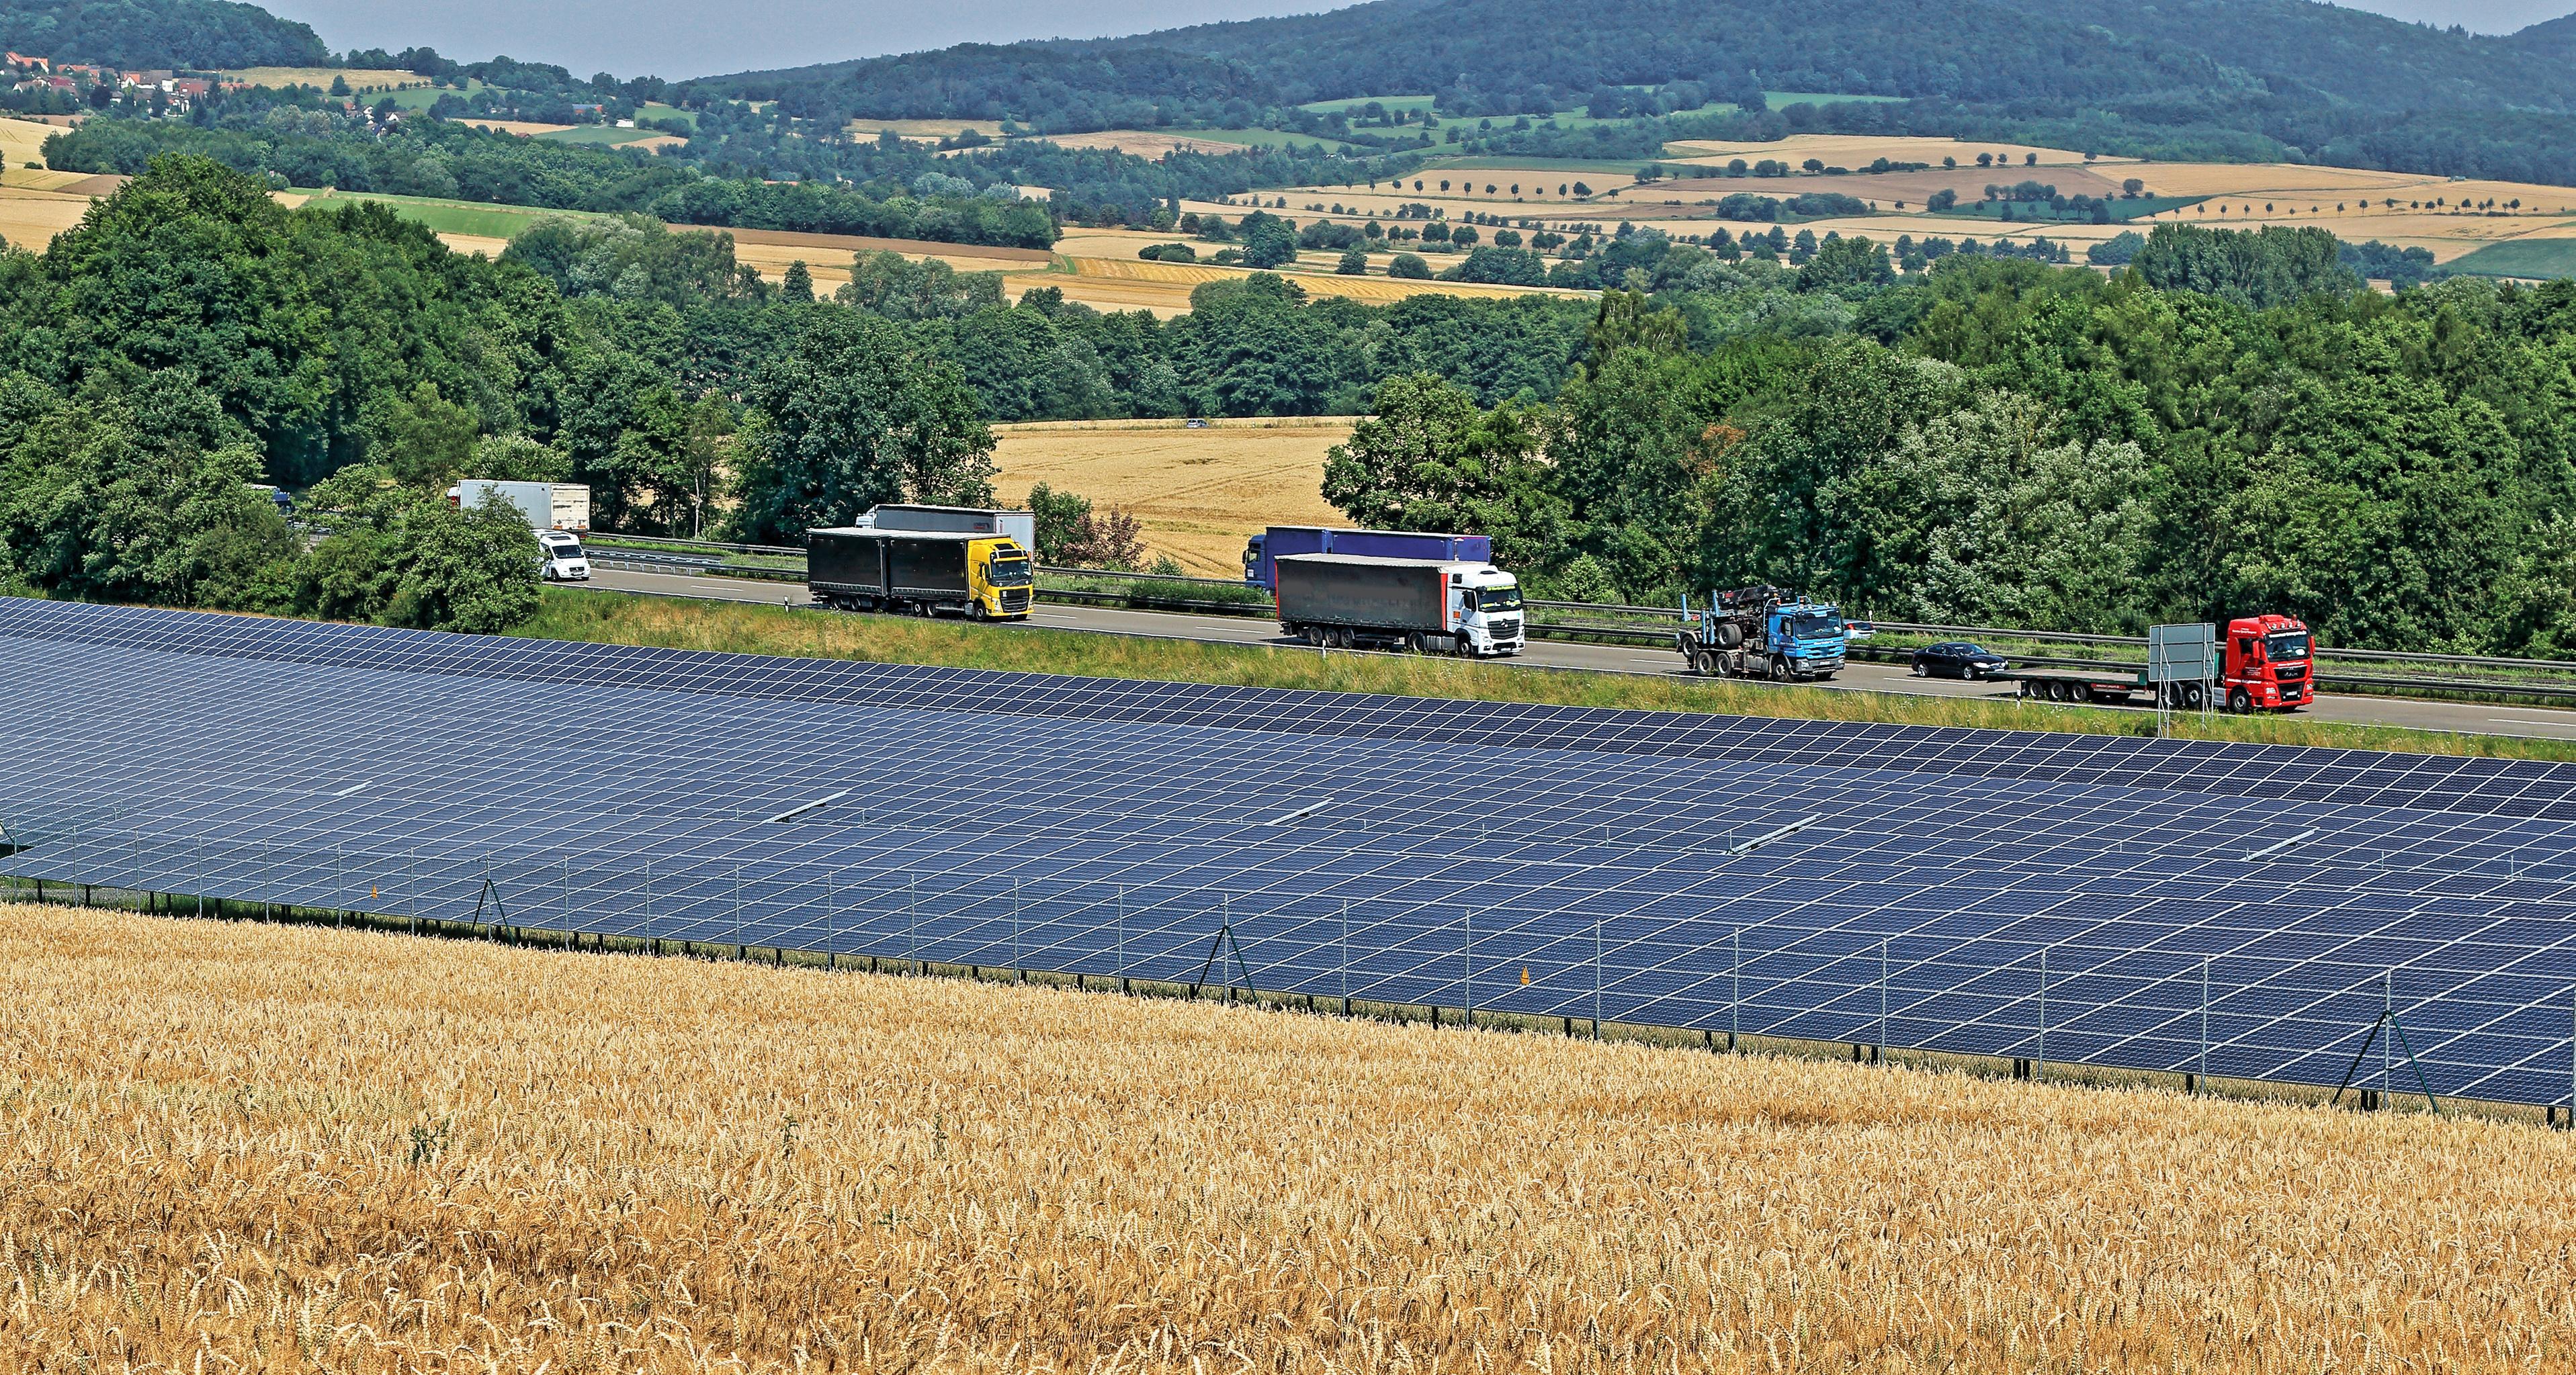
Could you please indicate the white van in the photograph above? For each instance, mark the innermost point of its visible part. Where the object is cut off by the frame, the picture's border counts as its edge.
(564, 559)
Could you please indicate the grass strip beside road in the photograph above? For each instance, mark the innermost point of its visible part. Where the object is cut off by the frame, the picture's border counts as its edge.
(750, 628)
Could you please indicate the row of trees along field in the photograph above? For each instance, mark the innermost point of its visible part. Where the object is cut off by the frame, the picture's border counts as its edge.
(754, 168)
(2232, 422)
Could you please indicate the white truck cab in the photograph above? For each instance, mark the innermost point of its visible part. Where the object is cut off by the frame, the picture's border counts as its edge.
(564, 559)
(1485, 610)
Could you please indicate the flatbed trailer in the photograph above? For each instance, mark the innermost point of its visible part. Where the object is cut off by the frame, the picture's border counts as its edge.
(2109, 687)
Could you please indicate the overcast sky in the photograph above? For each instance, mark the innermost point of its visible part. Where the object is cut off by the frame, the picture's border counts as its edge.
(675, 39)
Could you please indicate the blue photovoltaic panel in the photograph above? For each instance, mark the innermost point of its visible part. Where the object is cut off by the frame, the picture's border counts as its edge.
(2082, 898)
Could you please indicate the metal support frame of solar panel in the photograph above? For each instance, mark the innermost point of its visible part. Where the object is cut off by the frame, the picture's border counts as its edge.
(1436, 918)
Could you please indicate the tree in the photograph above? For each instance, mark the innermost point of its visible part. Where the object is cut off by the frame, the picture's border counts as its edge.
(2275, 265)
(1428, 459)
(1409, 266)
(798, 284)
(423, 437)
(144, 497)
(852, 415)
(1845, 264)
(1354, 263)
(400, 555)
(1268, 241)
(1070, 533)
(889, 284)
(2011, 524)
(1624, 320)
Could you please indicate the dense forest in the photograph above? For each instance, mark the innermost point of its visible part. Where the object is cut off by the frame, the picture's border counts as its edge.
(2231, 422)
(158, 33)
(2271, 79)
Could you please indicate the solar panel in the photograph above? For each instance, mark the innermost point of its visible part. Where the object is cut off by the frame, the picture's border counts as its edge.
(2106, 900)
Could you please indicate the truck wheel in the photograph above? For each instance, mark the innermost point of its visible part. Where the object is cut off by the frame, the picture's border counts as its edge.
(1729, 634)
(1779, 668)
(2240, 702)
(2079, 692)
(974, 611)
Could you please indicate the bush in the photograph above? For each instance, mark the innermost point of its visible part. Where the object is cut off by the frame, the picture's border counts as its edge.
(1501, 266)
(1168, 252)
(1354, 263)
(1819, 204)
(1409, 266)
(2117, 250)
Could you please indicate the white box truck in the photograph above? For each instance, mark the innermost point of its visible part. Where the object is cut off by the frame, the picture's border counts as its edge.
(1438, 606)
(952, 520)
(547, 505)
(557, 511)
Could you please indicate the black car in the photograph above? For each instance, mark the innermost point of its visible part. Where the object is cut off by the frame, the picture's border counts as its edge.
(1957, 659)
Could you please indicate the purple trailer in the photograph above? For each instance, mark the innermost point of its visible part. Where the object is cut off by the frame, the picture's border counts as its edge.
(1261, 556)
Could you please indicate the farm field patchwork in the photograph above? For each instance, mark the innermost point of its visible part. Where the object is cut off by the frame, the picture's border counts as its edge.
(1198, 493)
(599, 1161)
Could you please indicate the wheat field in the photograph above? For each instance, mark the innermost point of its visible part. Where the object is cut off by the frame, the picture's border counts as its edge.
(1199, 494)
(236, 1147)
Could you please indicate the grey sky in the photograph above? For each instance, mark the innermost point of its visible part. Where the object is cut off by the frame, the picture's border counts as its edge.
(675, 39)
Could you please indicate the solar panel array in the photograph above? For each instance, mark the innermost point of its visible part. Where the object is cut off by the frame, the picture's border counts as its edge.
(2109, 900)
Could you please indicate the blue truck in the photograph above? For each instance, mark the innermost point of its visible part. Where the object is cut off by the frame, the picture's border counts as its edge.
(1261, 556)
(1763, 632)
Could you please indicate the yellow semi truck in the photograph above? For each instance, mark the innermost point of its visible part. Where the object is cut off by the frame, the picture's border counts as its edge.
(929, 572)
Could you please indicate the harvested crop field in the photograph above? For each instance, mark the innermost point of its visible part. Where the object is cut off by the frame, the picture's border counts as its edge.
(1177, 280)
(23, 140)
(1858, 150)
(240, 1146)
(31, 219)
(1198, 493)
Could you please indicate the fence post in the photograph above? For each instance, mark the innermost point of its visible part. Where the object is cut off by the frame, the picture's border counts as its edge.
(2203, 1081)
(2387, 1013)
(1123, 985)
(912, 922)
(1018, 975)
(1346, 958)
(2039, 1064)
(1735, 990)
(1596, 976)
(1469, 916)
(1882, 998)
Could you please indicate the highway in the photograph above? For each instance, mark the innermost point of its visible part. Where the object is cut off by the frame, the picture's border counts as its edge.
(2470, 718)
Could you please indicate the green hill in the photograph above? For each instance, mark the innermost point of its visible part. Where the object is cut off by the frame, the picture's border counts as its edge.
(158, 33)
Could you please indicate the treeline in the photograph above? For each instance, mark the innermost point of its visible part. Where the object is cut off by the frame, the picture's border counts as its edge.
(299, 147)
(2003, 443)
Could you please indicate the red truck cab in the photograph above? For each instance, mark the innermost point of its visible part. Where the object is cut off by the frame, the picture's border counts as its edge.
(2266, 663)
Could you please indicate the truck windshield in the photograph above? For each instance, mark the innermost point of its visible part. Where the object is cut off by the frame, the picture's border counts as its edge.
(1808, 627)
(2287, 644)
(1011, 572)
(1499, 599)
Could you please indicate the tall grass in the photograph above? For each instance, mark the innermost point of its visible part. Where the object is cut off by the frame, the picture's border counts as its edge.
(230, 1147)
(614, 618)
